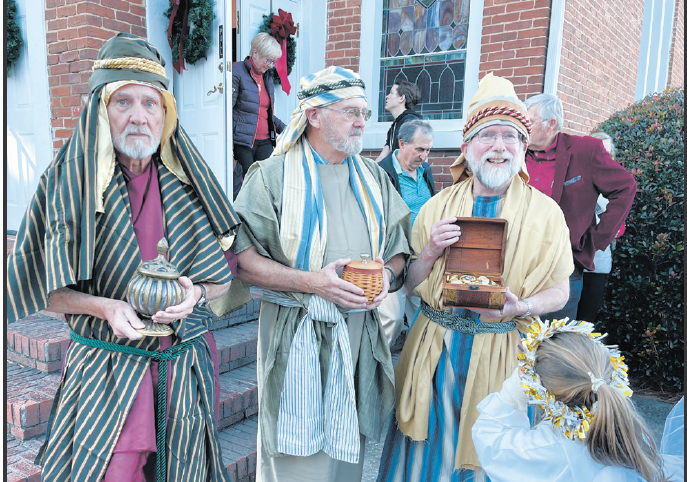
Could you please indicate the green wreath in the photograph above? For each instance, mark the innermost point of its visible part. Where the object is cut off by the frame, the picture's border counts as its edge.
(290, 48)
(14, 40)
(198, 35)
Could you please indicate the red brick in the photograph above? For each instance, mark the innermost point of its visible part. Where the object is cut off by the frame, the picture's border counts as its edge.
(57, 47)
(519, 6)
(531, 52)
(57, 144)
(31, 414)
(27, 470)
(57, 24)
(131, 19)
(66, 11)
(116, 4)
(116, 25)
(140, 31)
(53, 3)
(137, 10)
(507, 18)
(81, 66)
(96, 32)
(50, 14)
(63, 133)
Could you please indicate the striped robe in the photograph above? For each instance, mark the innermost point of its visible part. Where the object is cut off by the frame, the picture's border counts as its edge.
(99, 387)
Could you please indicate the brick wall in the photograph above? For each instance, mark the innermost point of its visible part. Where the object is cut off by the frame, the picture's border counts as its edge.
(514, 41)
(676, 65)
(599, 58)
(75, 31)
(343, 34)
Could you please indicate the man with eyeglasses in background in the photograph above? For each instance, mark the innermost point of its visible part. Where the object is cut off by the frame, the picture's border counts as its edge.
(325, 374)
(454, 358)
(399, 102)
(574, 170)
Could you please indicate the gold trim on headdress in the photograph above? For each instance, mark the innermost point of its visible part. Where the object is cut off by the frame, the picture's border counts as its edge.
(136, 63)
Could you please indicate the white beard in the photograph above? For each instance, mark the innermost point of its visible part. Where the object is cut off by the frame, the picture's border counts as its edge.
(139, 150)
(347, 145)
(491, 176)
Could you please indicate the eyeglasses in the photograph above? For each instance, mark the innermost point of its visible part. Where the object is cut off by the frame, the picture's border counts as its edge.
(352, 113)
(540, 121)
(490, 137)
(271, 61)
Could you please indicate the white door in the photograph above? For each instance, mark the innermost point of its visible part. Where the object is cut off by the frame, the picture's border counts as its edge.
(250, 21)
(29, 140)
(203, 98)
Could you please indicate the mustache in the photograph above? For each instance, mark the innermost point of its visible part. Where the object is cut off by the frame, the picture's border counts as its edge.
(133, 129)
(497, 155)
(355, 132)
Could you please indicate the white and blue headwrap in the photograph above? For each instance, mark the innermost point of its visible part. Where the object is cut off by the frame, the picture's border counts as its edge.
(306, 422)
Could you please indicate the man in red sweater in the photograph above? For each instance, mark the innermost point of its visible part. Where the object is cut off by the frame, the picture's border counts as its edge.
(574, 170)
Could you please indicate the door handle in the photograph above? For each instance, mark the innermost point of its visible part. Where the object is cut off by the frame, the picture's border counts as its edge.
(216, 88)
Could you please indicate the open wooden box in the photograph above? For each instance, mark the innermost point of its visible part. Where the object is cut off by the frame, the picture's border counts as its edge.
(479, 252)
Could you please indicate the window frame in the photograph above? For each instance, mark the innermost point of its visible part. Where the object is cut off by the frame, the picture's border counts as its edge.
(448, 133)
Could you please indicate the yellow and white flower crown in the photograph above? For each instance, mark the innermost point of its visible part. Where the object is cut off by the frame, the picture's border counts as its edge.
(572, 421)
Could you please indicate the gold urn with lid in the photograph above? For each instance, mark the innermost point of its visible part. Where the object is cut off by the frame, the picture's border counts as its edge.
(365, 274)
(153, 288)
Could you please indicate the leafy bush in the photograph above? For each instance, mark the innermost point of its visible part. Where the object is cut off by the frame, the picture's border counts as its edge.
(644, 299)
(14, 40)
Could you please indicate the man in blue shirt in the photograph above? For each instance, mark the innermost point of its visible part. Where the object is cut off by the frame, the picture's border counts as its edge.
(412, 177)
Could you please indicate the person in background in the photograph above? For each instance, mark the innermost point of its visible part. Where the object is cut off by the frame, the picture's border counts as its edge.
(255, 127)
(591, 431)
(412, 177)
(573, 171)
(594, 281)
(402, 97)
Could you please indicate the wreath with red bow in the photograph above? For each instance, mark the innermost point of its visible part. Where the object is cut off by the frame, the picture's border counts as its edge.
(282, 28)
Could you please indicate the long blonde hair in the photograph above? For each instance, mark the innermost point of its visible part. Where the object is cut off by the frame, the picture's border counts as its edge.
(617, 435)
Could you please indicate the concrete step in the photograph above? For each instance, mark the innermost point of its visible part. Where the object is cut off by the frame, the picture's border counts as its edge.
(40, 341)
(238, 442)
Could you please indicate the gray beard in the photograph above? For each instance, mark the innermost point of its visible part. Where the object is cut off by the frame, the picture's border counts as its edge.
(347, 145)
(139, 150)
(494, 177)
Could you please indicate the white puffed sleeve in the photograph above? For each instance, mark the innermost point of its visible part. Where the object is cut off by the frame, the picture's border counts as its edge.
(510, 451)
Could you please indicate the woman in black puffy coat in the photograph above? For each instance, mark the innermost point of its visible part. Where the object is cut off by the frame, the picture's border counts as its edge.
(254, 124)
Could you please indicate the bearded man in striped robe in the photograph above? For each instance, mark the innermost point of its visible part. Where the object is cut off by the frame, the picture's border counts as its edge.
(129, 407)
(325, 376)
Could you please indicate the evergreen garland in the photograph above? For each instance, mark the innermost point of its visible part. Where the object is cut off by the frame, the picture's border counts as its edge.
(14, 41)
(197, 41)
(290, 48)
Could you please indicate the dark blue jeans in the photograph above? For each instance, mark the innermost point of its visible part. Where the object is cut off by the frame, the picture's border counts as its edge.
(570, 308)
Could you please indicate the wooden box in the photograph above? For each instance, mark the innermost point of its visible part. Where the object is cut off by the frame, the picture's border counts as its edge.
(479, 252)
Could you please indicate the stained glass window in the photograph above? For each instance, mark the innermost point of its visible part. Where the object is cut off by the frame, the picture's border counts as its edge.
(425, 42)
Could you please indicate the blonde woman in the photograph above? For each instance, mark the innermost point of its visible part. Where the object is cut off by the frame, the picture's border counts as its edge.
(255, 126)
(592, 433)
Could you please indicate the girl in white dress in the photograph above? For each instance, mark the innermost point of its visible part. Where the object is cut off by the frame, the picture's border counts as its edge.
(591, 431)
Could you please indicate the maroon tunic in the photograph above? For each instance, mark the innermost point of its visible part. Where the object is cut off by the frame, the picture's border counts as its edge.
(136, 447)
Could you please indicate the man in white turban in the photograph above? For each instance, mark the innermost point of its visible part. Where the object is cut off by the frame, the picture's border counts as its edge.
(325, 375)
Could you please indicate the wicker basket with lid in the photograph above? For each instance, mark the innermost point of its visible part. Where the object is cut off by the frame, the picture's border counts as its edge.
(366, 274)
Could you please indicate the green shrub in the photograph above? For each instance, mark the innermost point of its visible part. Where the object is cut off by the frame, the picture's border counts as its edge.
(644, 299)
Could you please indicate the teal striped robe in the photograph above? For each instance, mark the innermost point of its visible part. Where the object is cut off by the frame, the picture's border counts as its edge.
(62, 242)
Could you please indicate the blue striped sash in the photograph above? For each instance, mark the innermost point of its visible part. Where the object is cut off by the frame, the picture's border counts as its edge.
(305, 425)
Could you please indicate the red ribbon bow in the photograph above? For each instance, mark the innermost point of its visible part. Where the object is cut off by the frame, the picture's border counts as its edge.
(282, 26)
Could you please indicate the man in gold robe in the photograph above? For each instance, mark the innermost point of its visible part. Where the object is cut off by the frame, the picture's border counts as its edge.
(454, 358)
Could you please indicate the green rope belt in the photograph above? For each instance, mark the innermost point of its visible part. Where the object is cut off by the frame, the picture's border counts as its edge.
(159, 356)
(464, 325)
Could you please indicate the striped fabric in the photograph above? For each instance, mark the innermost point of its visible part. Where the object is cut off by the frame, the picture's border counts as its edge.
(405, 460)
(305, 425)
(56, 241)
(86, 417)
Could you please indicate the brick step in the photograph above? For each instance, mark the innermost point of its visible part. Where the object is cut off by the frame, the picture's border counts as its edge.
(39, 341)
(238, 395)
(238, 442)
(30, 394)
